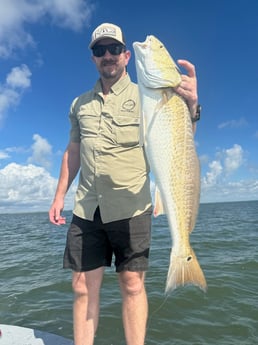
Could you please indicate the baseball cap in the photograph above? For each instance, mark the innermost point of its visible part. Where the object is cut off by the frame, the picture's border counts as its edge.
(107, 30)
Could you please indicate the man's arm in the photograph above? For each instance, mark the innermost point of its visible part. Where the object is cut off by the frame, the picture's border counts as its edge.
(69, 169)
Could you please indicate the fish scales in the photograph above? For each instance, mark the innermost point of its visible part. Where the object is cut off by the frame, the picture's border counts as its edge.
(169, 144)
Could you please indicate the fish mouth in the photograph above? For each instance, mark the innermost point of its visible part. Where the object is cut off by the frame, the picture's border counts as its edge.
(143, 45)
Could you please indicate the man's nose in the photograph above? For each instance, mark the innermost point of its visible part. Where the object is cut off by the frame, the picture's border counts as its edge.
(107, 54)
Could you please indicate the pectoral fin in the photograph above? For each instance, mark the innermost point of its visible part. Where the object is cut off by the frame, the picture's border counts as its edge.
(158, 204)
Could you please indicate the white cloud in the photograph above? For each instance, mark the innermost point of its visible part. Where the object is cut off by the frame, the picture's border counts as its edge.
(218, 185)
(228, 161)
(234, 123)
(41, 152)
(17, 81)
(19, 77)
(28, 188)
(72, 14)
(234, 158)
(16, 149)
(4, 154)
(204, 159)
(15, 15)
(242, 190)
(212, 176)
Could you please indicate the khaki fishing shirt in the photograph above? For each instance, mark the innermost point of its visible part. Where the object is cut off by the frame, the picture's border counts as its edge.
(114, 172)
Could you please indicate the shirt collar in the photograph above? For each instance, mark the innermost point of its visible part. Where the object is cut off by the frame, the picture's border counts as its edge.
(117, 88)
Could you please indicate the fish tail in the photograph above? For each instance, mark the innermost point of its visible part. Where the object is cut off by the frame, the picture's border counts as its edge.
(183, 271)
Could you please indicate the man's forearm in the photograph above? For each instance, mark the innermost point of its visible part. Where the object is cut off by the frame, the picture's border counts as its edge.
(69, 169)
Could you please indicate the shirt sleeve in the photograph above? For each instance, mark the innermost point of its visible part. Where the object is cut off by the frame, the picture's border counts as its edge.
(75, 127)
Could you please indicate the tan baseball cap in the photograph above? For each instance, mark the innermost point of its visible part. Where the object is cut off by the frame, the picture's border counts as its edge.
(107, 30)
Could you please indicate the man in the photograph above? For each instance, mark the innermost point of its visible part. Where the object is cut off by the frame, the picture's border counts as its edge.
(112, 212)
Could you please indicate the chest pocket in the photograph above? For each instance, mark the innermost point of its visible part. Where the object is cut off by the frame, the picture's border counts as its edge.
(126, 129)
(89, 124)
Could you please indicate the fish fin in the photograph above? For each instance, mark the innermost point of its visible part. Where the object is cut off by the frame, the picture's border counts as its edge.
(158, 204)
(165, 98)
(183, 271)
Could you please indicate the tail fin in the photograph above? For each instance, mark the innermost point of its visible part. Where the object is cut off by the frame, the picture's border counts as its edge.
(183, 271)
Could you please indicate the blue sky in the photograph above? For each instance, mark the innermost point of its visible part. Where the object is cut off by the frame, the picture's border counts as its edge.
(45, 63)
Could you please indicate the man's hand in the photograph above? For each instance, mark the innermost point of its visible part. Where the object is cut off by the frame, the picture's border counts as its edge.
(188, 86)
(55, 213)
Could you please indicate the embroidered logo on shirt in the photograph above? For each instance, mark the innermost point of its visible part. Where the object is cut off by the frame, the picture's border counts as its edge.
(128, 105)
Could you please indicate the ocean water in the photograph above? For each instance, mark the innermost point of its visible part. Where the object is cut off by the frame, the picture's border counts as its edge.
(35, 291)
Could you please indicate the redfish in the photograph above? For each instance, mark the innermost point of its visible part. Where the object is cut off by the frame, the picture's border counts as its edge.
(167, 135)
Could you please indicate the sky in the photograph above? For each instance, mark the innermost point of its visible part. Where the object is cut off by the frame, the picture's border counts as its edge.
(45, 63)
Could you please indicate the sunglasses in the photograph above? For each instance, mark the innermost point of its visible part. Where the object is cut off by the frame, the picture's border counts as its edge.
(114, 49)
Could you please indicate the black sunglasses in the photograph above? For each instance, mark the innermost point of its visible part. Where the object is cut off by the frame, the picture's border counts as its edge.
(114, 49)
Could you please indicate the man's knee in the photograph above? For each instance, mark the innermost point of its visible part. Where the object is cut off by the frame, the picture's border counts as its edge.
(79, 284)
(85, 283)
(131, 283)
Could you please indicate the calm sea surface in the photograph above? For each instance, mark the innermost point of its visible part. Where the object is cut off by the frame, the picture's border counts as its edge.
(35, 291)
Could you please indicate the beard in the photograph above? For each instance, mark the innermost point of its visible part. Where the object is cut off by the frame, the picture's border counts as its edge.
(110, 69)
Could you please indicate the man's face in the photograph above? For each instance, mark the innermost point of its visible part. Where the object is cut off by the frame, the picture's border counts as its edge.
(111, 66)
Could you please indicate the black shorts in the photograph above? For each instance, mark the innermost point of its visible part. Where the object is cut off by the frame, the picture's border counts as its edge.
(91, 244)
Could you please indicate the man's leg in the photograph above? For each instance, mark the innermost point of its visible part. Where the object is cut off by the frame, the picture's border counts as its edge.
(135, 306)
(86, 286)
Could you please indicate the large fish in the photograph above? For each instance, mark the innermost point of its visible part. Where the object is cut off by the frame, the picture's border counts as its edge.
(168, 138)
